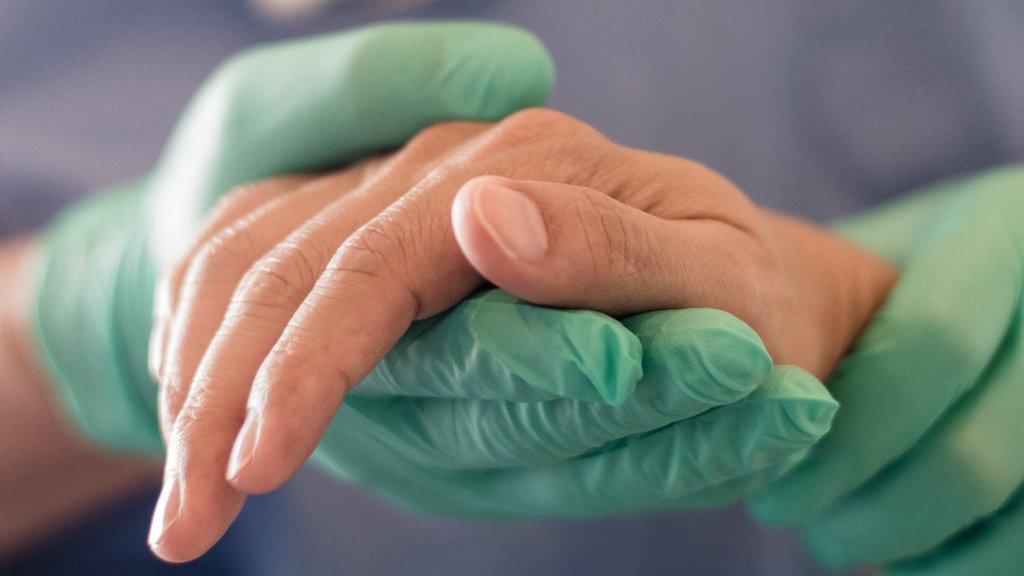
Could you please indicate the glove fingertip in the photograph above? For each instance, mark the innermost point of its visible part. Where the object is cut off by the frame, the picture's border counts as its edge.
(514, 70)
(453, 70)
(793, 409)
(805, 400)
(710, 354)
(810, 410)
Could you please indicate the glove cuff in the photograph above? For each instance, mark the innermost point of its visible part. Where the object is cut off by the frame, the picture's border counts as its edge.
(93, 318)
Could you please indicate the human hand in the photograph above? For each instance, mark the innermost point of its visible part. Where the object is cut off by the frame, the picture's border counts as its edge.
(500, 409)
(335, 98)
(922, 471)
(290, 348)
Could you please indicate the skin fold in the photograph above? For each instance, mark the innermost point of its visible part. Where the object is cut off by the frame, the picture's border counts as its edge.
(255, 328)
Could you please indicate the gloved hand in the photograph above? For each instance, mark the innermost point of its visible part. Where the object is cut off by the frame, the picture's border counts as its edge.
(923, 470)
(503, 394)
(599, 418)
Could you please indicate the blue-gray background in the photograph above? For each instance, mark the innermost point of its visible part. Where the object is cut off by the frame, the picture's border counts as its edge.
(818, 108)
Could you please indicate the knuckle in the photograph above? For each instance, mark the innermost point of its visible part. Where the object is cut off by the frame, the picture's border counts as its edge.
(540, 123)
(539, 143)
(270, 288)
(615, 243)
(214, 260)
(295, 264)
(172, 395)
(234, 199)
(184, 426)
(751, 286)
(199, 420)
(374, 261)
(382, 249)
(170, 402)
(226, 250)
(443, 135)
(428, 138)
(245, 197)
(305, 357)
(190, 419)
(205, 405)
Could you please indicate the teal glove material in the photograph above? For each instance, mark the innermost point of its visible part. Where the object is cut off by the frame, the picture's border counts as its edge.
(495, 409)
(676, 409)
(311, 104)
(923, 469)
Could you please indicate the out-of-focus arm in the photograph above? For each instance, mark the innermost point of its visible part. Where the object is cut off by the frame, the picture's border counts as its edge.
(49, 475)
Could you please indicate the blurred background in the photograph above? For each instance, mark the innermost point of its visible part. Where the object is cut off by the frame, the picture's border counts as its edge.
(817, 108)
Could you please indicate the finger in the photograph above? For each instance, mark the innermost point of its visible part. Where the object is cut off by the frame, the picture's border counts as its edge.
(510, 63)
(493, 346)
(206, 289)
(211, 277)
(257, 273)
(669, 468)
(323, 102)
(397, 266)
(693, 360)
(208, 413)
(991, 548)
(542, 241)
(916, 366)
(961, 473)
(240, 203)
(249, 286)
(363, 105)
(206, 505)
(401, 266)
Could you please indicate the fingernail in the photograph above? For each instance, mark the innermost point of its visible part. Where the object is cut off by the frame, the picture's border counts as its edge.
(168, 509)
(156, 349)
(244, 446)
(512, 220)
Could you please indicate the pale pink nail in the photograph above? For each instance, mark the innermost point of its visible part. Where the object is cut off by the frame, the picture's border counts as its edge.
(168, 510)
(512, 220)
(244, 446)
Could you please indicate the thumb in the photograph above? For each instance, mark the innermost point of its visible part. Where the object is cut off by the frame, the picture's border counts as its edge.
(571, 246)
(322, 102)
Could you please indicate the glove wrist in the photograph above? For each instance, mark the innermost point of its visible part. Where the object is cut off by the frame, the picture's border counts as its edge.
(92, 319)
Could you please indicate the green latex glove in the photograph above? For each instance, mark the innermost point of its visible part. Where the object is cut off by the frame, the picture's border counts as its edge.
(675, 409)
(494, 409)
(924, 468)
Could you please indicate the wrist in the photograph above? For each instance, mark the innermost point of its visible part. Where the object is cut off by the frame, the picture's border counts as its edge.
(836, 287)
(16, 336)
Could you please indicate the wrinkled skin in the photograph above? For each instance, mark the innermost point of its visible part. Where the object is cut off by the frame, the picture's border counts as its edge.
(300, 286)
